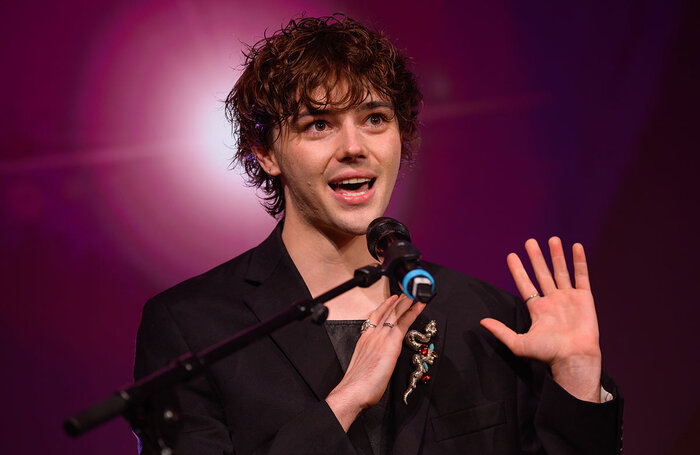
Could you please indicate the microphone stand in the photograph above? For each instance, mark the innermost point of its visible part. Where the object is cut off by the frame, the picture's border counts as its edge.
(149, 404)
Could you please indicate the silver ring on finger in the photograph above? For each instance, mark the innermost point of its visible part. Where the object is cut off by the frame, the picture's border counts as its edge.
(367, 325)
(533, 296)
(387, 324)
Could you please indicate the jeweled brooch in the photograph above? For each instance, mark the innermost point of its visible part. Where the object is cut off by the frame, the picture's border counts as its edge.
(422, 360)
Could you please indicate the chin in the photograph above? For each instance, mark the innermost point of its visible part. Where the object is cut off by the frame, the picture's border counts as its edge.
(356, 223)
(348, 228)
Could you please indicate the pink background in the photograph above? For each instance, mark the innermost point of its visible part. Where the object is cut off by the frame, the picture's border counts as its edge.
(571, 118)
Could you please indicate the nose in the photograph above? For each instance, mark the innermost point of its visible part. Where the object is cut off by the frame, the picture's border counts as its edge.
(351, 147)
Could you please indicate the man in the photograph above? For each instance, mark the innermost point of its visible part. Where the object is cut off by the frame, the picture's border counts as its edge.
(326, 111)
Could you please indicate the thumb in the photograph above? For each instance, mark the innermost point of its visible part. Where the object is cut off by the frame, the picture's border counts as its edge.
(504, 334)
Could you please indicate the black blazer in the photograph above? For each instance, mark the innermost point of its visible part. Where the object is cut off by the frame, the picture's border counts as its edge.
(269, 397)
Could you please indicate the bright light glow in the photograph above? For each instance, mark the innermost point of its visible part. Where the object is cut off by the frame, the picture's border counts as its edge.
(155, 84)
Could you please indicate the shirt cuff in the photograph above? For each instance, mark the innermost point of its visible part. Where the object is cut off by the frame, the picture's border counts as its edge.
(605, 396)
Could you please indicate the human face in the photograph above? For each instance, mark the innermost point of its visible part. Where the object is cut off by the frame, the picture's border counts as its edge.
(338, 167)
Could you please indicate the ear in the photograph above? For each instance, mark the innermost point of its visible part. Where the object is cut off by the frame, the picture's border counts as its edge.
(267, 160)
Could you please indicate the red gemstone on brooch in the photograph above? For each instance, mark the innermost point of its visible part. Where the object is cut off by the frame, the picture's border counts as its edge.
(423, 351)
(425, 378)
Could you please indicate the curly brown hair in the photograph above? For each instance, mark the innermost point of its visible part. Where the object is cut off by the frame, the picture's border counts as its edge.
(281, 72)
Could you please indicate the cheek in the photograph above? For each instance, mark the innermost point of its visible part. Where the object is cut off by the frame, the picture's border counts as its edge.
(301, 171)
(394, 156)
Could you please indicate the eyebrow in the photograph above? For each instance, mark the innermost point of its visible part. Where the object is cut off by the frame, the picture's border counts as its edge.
(367, 106)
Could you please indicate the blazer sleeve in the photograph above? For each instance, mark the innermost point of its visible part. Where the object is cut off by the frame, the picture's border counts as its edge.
(203, 429)
(567, 425)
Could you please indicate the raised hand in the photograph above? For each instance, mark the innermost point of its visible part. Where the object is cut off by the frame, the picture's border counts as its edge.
(374, 359)
(564, 330)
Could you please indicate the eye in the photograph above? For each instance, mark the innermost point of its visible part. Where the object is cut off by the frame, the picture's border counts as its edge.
(376, 119)
(379, 119)
(317, 126)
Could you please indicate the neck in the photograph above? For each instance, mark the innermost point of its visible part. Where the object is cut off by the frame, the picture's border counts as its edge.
(327, 258)
(323, 257)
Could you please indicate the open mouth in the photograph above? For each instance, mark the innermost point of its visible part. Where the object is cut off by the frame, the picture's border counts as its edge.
(353, 187)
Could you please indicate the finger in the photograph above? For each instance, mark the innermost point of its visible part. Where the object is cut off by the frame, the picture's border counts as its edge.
(539, 265)
(561, 273)
(520, 276)
(382, 310)
(409, 317)
(504, 334)
(402, 305)
(580, 268)
(378, 316)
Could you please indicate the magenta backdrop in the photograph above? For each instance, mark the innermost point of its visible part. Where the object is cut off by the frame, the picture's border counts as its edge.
(540, 118)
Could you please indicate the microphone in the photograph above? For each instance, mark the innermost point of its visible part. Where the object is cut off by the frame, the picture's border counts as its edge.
(389, 240)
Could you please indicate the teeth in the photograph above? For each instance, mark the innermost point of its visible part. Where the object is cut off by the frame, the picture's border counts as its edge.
(349, 193)
(353, 181)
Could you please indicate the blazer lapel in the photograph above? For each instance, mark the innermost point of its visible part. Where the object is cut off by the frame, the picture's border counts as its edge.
(410, 420)
(304, 343)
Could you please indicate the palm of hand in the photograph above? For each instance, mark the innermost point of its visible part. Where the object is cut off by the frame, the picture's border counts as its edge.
(564, 324)
(564, 330)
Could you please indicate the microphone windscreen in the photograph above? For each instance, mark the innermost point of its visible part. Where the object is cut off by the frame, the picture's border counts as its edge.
(382, 232)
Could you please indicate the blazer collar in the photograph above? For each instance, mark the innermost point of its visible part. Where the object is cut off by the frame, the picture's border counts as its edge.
(305, 344)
